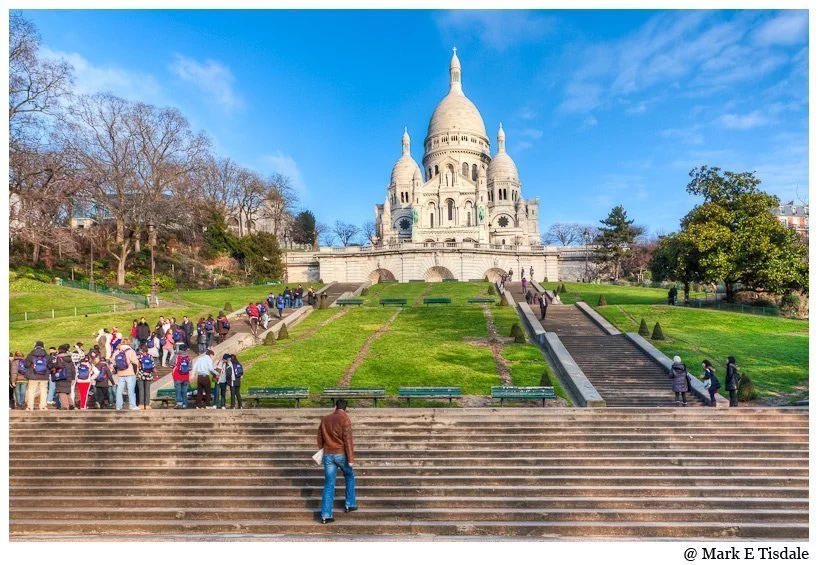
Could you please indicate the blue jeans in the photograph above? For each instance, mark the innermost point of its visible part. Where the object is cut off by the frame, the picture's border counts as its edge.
(52, 390)
(299, 302)
(121, 383)
(136, 344)
(331, 465)
(216, 395)
(181, 392)
(20, 392)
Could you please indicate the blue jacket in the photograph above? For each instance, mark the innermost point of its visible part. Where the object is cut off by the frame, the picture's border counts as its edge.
(714, 381)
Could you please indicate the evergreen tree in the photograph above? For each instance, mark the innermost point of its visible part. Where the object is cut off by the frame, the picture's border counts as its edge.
(676, 259)
(303, 230)
(614, 242)
(643, 328)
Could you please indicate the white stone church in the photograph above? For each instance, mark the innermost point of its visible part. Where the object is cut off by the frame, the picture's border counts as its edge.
(462, 194)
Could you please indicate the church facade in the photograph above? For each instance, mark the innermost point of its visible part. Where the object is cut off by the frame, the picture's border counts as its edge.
(462, 193)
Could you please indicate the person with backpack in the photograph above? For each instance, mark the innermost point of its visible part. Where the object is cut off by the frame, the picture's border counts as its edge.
(731, 381)
(203, 369)
(63, 373)
(288, 297)
(181, 377)
(146, 374)
(143, 332)
(711, 382)
(233, 374)
(125, 366)
(103, 381)
(271, 301)
(152, 344)
(166, 344)
(678, 372)
(85, 378)
(221, 384)
(222, 326)
(187, 327)
(262, 315)
(210, 330)
(19, 370)
(299, 296)
(116, 339)
(280, 306)
(38, 376)
(201, 336)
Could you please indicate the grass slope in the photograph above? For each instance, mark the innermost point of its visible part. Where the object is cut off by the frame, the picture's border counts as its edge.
(773, 352)
(614, 294)
(237, 296)
(26, 295)
(457, 291)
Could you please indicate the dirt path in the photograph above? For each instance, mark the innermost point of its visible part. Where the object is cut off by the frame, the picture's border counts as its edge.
(495, 344)
(307, 334)
(345, 380)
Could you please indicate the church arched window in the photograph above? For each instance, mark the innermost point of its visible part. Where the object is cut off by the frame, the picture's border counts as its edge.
(431, 219)
(436, 171)
(450, 209)
(468, 219)
(465, 170)
(473, 172)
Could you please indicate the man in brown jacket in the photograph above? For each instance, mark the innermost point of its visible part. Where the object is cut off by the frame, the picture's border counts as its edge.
(335, 438)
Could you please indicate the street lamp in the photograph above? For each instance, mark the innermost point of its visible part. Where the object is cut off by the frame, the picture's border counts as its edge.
(152, 243)
(586, 235)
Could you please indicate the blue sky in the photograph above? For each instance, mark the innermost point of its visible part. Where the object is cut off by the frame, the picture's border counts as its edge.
(600, 107)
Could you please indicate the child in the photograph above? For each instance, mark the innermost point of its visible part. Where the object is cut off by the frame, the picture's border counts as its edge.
(85, 376)
(146, 374)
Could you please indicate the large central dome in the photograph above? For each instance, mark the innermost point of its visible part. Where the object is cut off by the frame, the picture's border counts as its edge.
(455, 111)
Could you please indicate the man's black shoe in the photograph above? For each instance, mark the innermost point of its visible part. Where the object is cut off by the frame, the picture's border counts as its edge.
(327, 520)
(347, 510)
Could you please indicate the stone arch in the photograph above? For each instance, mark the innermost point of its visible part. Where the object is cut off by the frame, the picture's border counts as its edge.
(381, 275)
(437, 274)
(494, 274)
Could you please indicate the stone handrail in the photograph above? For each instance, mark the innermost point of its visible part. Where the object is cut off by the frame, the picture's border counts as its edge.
(606, 326)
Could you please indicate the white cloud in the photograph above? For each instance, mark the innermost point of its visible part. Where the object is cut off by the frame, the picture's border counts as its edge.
(689, 136)
(286, 165)
(522, 146)
(91, 79)
(789, 28)
(590, 122)
(526, 113)
(496, 29)
(639, 108)
(211, 77)
(743, 122)
(532, 133)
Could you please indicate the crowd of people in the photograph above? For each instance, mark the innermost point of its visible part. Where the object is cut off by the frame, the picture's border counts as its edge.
(259, 312)
(116, 365)
(678, 373)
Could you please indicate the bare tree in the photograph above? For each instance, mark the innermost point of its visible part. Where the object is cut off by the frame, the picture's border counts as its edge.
(345, 232)
(249, 199)
(565, 233)
(280, 199)
(220, 183)
(368, 231)
(323, 235)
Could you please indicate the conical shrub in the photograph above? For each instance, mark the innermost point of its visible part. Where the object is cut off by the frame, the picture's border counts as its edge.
(545, 380)
(492, 292)
(746, 389)
(602, 301)
(269, 339)
(283, 333)
(322, 303)
(228, 307)
(562, 289)
(658, 334)
(643, 328)
(517, 333)
(503, 300)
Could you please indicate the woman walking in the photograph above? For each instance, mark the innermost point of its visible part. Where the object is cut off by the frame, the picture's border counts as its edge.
(134, 335)
(147, 373)
(731, 381)
(167, 349)
(85, 374)
(711, 382)
(221, 381)
(233, 376)
(678, 372)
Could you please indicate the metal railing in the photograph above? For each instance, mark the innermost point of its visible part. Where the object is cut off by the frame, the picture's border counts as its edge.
(734, 307)
(139, 299)
(409, 245)
(75, 311)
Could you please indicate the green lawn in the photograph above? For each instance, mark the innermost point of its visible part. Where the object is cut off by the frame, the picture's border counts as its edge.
(22, 335)
(27, 295)
(237, 296)
(614, 294)
(773, 352)
(457, 291)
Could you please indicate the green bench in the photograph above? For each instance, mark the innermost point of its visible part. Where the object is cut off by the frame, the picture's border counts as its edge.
(417, 280)
(393, 301)
(451, 280)
(522, 393)
(353, 393)
(350, 301)
(168, 396)
(294, 393)
(428, 392)
(481, 300)
(437, 300)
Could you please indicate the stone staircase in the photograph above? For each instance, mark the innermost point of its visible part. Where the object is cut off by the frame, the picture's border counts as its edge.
(568, 473)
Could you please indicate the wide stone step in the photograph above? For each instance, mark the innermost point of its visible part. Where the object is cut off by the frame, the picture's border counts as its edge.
(355, 526)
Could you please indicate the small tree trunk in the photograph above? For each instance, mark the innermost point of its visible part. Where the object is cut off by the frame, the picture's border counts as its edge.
(728, 289)
(687, 292)
(35, 254)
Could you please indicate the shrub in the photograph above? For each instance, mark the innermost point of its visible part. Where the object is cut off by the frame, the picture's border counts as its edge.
(545, 380)
(561, 288)
(517, 333)
(746, 389)
(492, 292)
(643, 328)
(658, 334)
(322, 303)
(602, 301)
(228, 307)
(503, 300)
(269, 339)
(545, 280)
(365, 291)
(283, 333)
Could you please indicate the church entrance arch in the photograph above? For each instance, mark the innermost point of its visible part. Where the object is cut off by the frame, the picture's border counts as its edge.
(437, 274)
(494, 275)
(381, 275)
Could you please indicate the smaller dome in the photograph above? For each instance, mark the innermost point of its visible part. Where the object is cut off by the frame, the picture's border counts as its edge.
(502, 166)
(406, 168)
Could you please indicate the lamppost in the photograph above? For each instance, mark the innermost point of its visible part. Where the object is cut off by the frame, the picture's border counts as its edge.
(152, 243)
(586, 235)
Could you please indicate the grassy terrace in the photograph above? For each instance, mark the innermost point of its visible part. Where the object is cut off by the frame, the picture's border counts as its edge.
(237, 296)
(614, 294)
(26, 295)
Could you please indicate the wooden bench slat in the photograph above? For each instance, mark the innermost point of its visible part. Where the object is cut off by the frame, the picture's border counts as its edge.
(390, 301)
(288, 393)
(480, 300)
(351, 301)
(353, 393)
(441, 300)
(409, 392)
(523, 393)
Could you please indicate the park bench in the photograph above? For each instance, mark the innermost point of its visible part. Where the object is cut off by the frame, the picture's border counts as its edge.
(522, 392)
(437, 300)
(393, 301)
(481, 300)
(450, 280)
(349, 301)
(477, 280)
(295, 393)
(353, 393)
(416, 280)
(428, 392)
(168, 396)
